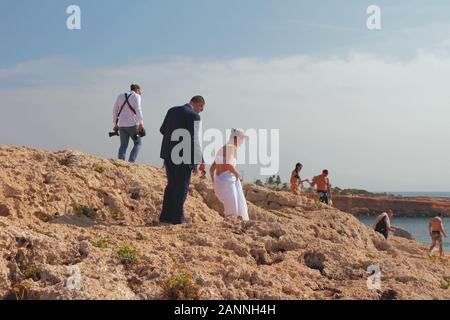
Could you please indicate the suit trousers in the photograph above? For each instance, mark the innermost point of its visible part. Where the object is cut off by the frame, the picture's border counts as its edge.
(178, 181)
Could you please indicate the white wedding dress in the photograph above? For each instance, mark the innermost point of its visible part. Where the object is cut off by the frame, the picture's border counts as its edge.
(229, 189)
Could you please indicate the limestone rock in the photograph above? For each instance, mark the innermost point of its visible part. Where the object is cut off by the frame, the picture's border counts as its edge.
(293, 247)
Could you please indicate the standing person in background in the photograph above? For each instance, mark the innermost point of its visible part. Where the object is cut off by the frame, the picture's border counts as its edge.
(436, 229)
(296, 181)
(383, 223)
(178, 120)
(323, 187)
(129, 122)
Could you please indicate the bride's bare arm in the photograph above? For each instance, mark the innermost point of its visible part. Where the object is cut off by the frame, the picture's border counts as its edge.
(212, 171)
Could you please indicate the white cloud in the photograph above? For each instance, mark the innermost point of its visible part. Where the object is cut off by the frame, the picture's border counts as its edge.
(373, 123)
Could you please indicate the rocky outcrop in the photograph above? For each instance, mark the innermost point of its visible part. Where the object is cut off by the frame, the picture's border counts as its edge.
(74, 226)
(402, 233)
(402, 207)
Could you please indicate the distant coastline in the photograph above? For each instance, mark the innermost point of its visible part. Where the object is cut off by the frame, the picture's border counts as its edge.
(421, 194)
(421, 205)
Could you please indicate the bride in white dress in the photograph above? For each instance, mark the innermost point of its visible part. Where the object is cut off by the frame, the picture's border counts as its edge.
(226, 178)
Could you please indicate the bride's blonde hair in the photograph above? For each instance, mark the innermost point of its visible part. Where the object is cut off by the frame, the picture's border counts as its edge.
(237, 136)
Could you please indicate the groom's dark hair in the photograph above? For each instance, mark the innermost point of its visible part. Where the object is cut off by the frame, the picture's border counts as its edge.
(134, 87)
(198, 99)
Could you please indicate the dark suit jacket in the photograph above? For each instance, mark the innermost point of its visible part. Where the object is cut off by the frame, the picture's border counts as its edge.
(182, 117)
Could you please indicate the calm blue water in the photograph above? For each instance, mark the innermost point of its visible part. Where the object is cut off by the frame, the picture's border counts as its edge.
(422, 194)
(418, 227)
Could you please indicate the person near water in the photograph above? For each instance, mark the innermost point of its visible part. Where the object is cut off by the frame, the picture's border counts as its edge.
(226, 178)
(129, 122)
(296, 181)
(383, 223)
(323, 187)
(436, 228)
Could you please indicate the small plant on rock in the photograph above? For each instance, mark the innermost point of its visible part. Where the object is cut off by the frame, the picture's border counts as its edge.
(101, 244)
(445, 285)
(33, 272)
(84, 211)
(115, 215)
(181, 286)
(40, 231)
(224, 253)
(141, 237)
(100, 168)
(119, 165)
(127, 255)
(42, 216)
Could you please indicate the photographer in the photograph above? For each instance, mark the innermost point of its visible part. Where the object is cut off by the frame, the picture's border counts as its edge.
(128, 122)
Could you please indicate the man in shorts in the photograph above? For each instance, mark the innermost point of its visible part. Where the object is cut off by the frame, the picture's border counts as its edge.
(323, 187)
(436, 228)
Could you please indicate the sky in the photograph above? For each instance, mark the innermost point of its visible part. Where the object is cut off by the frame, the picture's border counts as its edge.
(369, 105)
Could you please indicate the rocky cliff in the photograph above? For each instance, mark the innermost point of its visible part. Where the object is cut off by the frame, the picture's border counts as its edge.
(74, 226)
(402, 207)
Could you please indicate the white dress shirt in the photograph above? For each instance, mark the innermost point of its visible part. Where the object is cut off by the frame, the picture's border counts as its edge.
(127, 118)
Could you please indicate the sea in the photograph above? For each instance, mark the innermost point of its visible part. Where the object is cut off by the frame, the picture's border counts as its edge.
(422, 194)
(418, 227)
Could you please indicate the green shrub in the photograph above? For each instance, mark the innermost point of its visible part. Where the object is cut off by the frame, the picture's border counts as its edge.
(40, 231)
(100, 168)
(119, 164)
(101, 244)
(141, 237)
(445, 285)
(116, 215)
(127, 255)
(180, 286)
(84, 211)
(224, 253)
(42, 216)
(33, 272)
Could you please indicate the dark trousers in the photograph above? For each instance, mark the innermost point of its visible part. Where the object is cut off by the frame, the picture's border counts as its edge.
(178, 181)
(323, 196)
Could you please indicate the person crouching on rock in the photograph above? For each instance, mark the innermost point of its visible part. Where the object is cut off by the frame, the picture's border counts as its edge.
(129, 122)
(323, 187)
(226, 178)
(296, 181)
(436, 228)
(383, 223)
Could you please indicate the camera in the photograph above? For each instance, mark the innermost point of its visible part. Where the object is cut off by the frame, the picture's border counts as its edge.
(115, 133)
(142, 133)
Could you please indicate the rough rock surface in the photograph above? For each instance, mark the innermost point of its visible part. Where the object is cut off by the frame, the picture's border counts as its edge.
(403, 207)
(67, 211)
(402, 233)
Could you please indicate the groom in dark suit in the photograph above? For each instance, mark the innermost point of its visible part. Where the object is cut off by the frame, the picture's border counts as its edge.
(182, 153)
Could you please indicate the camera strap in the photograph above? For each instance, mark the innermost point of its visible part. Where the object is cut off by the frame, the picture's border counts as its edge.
(123, 106)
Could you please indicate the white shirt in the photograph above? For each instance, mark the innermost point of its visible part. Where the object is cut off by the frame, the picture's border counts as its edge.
(127, 118)
(380, 217)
